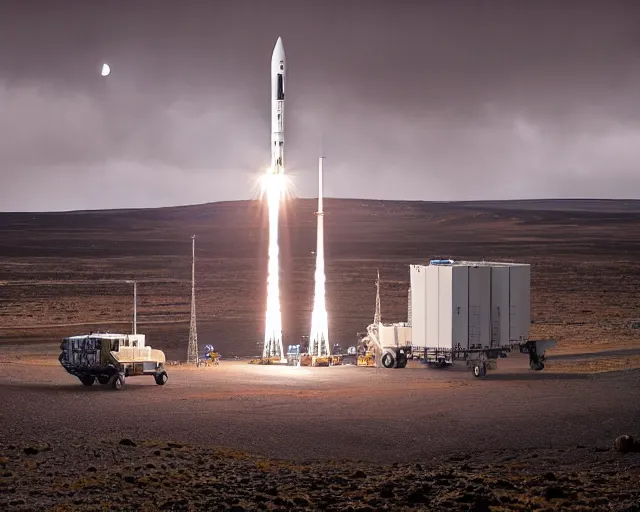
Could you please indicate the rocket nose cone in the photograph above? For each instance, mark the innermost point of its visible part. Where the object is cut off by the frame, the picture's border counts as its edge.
(278, 50)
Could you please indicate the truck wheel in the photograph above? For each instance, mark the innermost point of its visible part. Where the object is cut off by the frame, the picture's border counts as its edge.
(117, 382)
(103, 379)
(388, 361)
(401, 360)
(87, 380)
(479, 370)
(161, 378)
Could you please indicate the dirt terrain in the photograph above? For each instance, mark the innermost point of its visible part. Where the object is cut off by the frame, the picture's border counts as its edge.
(243, 437)
(247, 437)
(64, 273)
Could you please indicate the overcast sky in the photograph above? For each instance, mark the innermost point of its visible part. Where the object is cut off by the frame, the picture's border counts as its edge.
(429, 100)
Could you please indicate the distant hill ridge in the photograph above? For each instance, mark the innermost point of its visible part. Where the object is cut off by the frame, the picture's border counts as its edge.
(584, 205)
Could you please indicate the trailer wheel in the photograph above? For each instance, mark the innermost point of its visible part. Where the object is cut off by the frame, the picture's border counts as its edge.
(103, 379)
(536, 366)
(161, 378)
(479, 370)
(87, 380)
(388, 361)
(117, 382)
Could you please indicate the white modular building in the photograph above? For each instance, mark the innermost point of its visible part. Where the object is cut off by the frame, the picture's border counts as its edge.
(469, 305)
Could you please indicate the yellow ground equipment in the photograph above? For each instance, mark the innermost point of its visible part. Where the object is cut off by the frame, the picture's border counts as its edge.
(309, 360)
(320, 360)
(265, 360)
(367, 359)
(335, 360)
(210, 359)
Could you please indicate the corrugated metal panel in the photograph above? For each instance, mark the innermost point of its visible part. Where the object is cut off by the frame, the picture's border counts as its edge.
(445, 305)
(418, 305)
(455, 306)
(479, 306)
(525, 321)
(499, 306)
(433, 298)
(460, 306)
(520, 302)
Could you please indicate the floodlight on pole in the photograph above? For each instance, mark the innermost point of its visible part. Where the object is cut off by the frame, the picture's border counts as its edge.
(135, 305)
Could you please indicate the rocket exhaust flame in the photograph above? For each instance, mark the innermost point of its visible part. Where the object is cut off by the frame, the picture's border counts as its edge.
(319, 337)
(273, 328)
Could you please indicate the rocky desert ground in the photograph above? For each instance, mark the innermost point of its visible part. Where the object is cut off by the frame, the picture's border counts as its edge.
(241, 437)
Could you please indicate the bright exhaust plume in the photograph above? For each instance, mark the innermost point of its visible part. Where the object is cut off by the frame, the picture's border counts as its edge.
(319, 337)
(274, 188)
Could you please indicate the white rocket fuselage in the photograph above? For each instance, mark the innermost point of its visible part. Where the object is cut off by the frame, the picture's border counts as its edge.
(278, 79)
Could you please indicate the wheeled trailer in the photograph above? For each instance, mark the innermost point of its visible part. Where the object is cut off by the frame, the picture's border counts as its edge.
(475, 312)
(481, 360)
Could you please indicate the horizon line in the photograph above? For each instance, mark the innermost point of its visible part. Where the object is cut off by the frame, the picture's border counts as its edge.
(310, 198)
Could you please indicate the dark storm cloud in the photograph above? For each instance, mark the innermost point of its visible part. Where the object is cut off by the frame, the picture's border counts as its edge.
(408, 100)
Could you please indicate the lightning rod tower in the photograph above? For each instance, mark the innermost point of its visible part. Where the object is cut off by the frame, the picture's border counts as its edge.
(192, 352)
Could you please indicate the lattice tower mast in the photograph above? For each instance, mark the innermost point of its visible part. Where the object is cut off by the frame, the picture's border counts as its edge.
(192, 352)
(376, 316)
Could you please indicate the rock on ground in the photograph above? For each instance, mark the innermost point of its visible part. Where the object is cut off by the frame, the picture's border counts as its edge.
(155, 475)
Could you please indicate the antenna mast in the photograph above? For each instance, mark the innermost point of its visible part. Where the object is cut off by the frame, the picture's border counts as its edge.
(192, 352)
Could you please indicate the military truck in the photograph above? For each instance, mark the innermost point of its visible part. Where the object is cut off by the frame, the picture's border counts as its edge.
(111, 358)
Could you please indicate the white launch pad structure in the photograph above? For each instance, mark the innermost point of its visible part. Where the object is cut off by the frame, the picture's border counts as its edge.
(319, 337)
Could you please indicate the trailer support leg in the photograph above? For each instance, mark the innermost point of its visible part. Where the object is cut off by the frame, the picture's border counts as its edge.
(537, 350)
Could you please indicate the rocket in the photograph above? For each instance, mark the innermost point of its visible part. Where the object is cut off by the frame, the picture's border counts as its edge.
(278, 78)
(319, 336)
(275, 180)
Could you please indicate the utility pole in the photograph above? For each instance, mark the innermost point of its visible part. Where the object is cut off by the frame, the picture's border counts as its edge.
(135, 306)
(192, 351)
